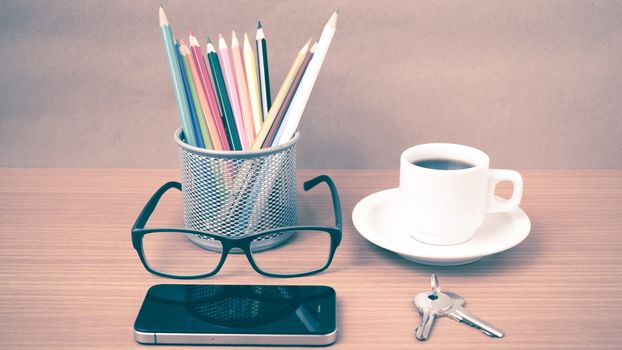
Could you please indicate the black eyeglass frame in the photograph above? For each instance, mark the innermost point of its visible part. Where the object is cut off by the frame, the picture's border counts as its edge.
(243, 243)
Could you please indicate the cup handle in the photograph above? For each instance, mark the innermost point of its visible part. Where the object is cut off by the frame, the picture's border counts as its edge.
(496, 176)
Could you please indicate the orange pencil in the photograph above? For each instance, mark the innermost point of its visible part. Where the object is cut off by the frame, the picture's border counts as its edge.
(209, 117)
(206, 83)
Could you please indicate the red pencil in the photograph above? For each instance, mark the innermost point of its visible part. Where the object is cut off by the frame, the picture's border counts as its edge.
(209, 90)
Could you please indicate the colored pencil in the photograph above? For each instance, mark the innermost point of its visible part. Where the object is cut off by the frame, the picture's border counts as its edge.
(206, 121)
(262, 66)
(193, 99)
(176, 78)
(223, 99)
(240, 78)
(250, 67)
(294, 113)
(276, 126)
(232, 89)
(193, 113)
(280, 96)
(202, 83)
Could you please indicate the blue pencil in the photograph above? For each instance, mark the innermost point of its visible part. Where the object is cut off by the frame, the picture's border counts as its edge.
(178, 85)
(193, 113)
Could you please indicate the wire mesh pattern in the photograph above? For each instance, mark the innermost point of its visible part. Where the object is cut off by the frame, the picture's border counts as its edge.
(238, 194)
(241, 306)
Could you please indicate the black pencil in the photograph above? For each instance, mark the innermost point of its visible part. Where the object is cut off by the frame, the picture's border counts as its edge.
(262, 67)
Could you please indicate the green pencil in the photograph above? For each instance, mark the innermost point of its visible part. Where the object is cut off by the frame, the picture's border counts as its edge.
(184, 51)
(223, 98)
(178, 85)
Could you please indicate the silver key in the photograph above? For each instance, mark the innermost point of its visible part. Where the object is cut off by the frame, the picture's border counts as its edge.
(431, 305)
(435, 304)
(460, 314)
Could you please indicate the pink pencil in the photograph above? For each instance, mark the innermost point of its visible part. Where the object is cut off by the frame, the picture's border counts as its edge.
(232, 90)
(240, 78)
(199, 61)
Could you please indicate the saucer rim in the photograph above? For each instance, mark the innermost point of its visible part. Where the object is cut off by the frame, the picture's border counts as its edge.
(450, 252)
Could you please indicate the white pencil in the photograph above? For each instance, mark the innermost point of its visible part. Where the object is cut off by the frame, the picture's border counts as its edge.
(250, 67)
(297, 106)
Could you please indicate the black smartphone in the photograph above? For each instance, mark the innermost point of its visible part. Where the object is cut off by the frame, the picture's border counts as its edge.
(237, 315)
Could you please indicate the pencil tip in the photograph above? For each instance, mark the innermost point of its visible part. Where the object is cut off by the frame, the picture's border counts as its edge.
(162, 15)
(192, 40)
(209, 41)
(312, 49)
(258, 24)
(222, 43)
(332, 21)
(234, 39)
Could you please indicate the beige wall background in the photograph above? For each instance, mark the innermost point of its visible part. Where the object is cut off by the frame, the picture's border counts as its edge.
(536, 84)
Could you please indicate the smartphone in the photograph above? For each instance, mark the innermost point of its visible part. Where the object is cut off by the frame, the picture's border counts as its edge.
(237, 315)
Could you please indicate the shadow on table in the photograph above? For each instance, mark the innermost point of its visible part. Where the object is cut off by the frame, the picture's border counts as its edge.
(523, 256)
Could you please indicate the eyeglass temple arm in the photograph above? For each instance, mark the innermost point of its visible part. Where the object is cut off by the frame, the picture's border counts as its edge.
(153, 202)
(333, 192)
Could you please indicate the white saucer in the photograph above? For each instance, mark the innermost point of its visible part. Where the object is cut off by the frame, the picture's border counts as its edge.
(376, 217)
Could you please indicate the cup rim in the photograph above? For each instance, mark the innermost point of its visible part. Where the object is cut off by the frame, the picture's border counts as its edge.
(485, 162)
(234, 154)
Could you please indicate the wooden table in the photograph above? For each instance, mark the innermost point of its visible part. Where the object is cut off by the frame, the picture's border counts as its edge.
(69, 277)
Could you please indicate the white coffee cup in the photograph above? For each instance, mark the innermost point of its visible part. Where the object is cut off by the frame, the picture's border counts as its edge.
(445, 207)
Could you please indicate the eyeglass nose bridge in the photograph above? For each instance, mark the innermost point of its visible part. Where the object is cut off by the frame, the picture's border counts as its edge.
(237, 247)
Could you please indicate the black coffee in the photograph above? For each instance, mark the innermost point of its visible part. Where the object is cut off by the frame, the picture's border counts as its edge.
(443, 164)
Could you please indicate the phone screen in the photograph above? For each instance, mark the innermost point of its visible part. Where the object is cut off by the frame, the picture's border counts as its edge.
(238, 309)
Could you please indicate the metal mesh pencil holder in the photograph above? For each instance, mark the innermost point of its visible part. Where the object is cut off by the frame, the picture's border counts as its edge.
(238, 193)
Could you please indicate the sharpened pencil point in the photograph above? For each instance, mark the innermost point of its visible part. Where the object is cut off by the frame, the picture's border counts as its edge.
(192, 40)
(210, 47)
(312, 49)
(234, 39)
(247, 43)
(258, 24)
(306, 47)
(163, 19)
(209, 41)
(222, 43)
(332, 21)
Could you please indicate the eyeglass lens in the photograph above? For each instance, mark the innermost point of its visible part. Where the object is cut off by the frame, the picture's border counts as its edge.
(304, 251)
(173, 253)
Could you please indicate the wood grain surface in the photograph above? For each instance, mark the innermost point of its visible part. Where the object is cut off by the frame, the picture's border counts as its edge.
(70, 279)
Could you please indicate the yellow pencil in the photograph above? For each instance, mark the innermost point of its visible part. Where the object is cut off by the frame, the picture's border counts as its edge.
(280, 97)
(253, 84)
(240, 78)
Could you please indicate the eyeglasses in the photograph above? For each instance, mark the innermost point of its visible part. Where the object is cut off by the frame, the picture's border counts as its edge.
(172, 253)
